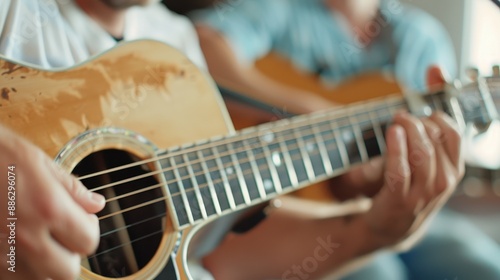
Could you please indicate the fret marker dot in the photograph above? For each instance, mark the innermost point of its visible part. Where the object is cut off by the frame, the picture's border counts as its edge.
(229, 170)
(427, 111)
(268, 137)
(268, 184)
(310, 147)
(276, 159)
(347, 136)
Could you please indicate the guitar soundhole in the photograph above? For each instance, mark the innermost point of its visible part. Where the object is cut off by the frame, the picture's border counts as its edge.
(132, 232)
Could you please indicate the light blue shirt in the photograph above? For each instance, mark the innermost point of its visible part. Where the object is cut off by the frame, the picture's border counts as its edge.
(407, 41)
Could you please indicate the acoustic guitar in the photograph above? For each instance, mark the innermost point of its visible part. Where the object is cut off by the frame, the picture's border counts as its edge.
(144, 127)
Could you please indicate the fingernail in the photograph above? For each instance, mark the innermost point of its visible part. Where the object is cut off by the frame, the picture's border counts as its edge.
(97, 198)
(399, 132)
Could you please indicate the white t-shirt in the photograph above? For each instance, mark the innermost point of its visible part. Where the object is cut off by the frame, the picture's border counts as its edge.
(57, 33)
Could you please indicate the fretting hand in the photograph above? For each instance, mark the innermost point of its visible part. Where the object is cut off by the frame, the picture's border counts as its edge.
(55, 215)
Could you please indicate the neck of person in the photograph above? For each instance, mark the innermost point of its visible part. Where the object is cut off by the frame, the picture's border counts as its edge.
(110, 19)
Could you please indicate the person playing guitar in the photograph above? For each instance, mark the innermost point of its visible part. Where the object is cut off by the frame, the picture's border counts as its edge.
(55, 213)
(331, 41)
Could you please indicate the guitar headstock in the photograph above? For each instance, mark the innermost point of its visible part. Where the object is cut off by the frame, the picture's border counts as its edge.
(480, 103)
(475, 108)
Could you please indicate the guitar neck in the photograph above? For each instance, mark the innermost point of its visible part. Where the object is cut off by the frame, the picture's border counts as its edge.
(226, 174)
(257, 164)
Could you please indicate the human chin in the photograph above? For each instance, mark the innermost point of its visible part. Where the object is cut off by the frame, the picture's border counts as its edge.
(122, 4)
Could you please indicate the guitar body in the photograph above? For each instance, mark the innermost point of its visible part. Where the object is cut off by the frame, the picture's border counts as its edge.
(139, 93)
(360, 88)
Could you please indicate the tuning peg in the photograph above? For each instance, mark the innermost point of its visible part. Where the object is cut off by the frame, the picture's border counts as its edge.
(496, 71)
(472, 73)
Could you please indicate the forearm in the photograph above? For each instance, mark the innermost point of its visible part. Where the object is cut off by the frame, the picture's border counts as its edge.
(356, 246)
(288, 245)
(228, 71)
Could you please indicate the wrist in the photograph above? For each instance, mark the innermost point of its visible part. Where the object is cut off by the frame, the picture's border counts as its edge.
(374, 239)
(356, 240)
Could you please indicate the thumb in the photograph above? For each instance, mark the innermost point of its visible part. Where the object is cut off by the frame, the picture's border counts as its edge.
(90, 201)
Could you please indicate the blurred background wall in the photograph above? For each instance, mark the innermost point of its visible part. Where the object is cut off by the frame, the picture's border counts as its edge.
(474, 26)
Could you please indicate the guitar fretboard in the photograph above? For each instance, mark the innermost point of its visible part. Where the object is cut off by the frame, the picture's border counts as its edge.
(223, 175)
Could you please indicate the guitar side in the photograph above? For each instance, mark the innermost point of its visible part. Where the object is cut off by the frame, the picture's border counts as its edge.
(144, 86)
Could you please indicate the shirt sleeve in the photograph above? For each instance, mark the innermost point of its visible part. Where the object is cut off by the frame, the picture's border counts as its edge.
(249, 26)
(192, 48)
(421, 41)
(35, 32)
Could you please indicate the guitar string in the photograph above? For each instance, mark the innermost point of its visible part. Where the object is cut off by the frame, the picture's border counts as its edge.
(159, 158)
(192, 190)
(161, 199)
(114, 248)
(254, 135)
(137, 239)
(281, 125)
(177, 180)
(162, 215)
(125, 244)
(247, 148)
(292, 132)
(186, 190)
(215, 181)
(190, 163)
(159, 216)
(260, 156)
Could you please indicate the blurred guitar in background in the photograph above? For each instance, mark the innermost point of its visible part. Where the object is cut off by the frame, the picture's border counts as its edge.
(245, 113)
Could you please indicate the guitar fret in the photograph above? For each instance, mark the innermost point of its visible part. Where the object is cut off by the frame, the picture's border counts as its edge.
(272, 167)
(196, 188)
(210, 183)
(288, 162)
(342, 149)
(305, 156)
(188, 187)
(378, 131)
(240, 177)
(265, 169)
(314, 153)
(359, 138)
(367, 136)
(323, 151)
(225, 180)
(256, 173)
(332, 149)
(167, 177)
(486, 96)
(278, 162)
(187, 207)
